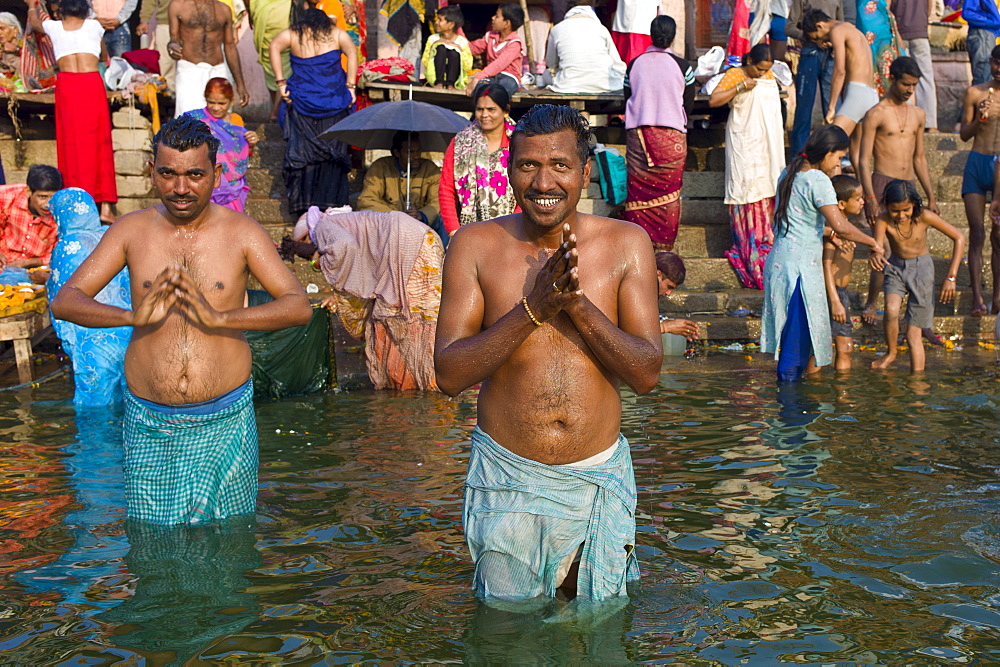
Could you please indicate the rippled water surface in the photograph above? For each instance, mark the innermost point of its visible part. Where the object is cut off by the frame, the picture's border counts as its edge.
(849, 519)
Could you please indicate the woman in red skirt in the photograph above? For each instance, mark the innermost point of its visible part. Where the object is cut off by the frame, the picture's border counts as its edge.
(83, 119)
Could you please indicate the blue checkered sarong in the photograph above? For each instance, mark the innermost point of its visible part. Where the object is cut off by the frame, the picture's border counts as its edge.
(190, 468)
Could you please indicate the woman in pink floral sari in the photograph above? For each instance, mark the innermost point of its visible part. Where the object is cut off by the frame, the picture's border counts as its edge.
(474, 174)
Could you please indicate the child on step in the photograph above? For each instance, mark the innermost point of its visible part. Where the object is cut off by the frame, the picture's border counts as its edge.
(910, 269)
(447, 56)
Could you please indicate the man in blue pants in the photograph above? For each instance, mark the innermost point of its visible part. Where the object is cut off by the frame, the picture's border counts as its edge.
(815, 66)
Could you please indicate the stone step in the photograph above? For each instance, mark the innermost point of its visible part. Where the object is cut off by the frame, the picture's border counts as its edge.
(704, 185)
(265, 183)
(18, 155)
(944, 141)
(723, 328)
(268, 155)
(945, 162)
(688, 304)
(267, 131)
(269, 211)
(715, 274)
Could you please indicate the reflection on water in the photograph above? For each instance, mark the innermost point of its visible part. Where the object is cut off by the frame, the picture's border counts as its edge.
(189, 587)
(847, 518)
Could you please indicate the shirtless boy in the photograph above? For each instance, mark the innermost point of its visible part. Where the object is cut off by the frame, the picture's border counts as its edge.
(550, 310)
(837, 263)
(910, 269)
(893, 133)
(190, 441)
(981, 123)
(200, 31)
(852, 92)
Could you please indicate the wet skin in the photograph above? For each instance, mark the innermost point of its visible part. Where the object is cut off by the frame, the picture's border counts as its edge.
(551, 392)
(189, 262)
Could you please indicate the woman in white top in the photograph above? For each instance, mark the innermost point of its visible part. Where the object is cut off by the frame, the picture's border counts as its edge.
(83, 119)
(755, 156)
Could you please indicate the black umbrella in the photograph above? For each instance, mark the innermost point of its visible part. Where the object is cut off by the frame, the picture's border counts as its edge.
(374, 126)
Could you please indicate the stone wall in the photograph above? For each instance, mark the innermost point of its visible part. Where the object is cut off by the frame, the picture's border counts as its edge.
(130, 137)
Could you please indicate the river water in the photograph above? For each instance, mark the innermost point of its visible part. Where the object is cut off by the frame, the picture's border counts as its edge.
(851, 518)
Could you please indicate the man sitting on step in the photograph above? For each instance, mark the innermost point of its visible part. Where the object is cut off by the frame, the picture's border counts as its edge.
(386, 183)
(27, 229)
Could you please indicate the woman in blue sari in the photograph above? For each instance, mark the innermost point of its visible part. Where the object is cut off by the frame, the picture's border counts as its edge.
(98, 355)
(318, 94)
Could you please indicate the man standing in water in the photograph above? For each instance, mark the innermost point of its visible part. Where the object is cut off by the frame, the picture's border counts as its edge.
(550, 309)
(190, 441)
(200, 30)
(981, 123)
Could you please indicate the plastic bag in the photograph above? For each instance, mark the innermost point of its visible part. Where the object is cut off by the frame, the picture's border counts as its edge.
(711, 62)
(291, 361)
(612, 174)
(118, 74)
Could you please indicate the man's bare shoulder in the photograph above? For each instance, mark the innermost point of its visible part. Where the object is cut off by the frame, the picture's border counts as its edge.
(979, 90)
(843, 30)
(622, 231)
(141, 220)
(876, 113)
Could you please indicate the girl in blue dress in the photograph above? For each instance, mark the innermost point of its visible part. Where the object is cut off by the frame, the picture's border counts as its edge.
(796, 319)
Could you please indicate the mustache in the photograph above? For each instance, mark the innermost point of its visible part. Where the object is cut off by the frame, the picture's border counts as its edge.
(175, 198)
(536, 194)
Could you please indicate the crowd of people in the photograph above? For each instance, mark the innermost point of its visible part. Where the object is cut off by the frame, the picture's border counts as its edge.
(547, 309)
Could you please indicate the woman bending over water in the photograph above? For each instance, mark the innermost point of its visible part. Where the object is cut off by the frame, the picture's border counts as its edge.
(796, 320)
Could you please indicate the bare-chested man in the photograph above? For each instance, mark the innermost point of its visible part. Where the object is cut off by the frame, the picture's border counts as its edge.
(190, 441)
(893, 133)
(981, 123)
(550, 310)
(200, 31)
(852, 92)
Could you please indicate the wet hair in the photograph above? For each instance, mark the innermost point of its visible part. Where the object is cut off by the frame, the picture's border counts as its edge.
(312, 24)
(904, 65)
(495, 92)
(76, 8)
(662, 31)
(44, 178)
(513, 13)
(995, 53)
(401, 137)
(825, 140)
(185, 133)
(845, 186)
(219, 85)
(552, 118)
(900, 191)
(671, 266)
(452, 14)
(811, 20)
(761, 53)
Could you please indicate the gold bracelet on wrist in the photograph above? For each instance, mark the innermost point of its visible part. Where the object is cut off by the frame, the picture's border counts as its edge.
(524, 302)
